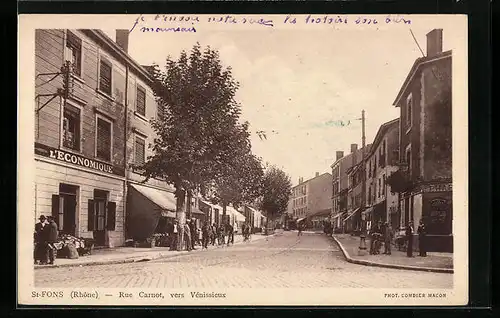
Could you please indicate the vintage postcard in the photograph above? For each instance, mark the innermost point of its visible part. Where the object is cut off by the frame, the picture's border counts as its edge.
(297, 160)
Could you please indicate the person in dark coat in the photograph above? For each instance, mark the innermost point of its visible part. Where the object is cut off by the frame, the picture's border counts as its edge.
(388, 235)
(50, 235)
(192, 232)
(38, 240)
(373, 236)
(422, 234)
(213, 234)
(409, 239)
(205, 235)
(230, 234)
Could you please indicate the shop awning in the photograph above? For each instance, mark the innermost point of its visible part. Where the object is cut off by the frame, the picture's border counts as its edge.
(163, 199)
(351, 214)
(237, 215)
(299, 220)
(337, 216)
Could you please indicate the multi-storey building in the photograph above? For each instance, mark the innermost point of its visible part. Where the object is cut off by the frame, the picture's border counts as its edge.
(86, 140)
(425, 143)
(354, 191)
(340, 184)
(381, 161)
(311, 197)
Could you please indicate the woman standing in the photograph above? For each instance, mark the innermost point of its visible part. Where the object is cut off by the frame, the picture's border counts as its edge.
(422, 233)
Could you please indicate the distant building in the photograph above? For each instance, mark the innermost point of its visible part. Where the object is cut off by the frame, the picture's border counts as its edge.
(381, 161)
(352, 220)
(425, 103)
(340, 184)
(311, 197)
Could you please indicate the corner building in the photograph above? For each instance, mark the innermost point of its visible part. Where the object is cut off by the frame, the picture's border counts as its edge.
(84, 142)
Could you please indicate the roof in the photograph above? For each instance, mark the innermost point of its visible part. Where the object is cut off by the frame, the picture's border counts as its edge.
(113, 47)
(382, 130)
(321, 175)
(416, 65)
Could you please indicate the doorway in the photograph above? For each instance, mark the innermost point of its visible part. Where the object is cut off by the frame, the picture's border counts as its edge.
(66, 218)
(100, 200)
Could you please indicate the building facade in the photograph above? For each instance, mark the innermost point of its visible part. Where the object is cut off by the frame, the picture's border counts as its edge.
(86, 140)
(311, 197)
(340, 184)
(425, 143)
(381, 161)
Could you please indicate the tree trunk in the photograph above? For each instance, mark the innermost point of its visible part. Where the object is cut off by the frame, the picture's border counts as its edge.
(180, 195)
(188, 204)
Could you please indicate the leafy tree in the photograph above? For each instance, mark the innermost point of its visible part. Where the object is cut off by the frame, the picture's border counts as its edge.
(241, 180)
(197, 118)
(276, 191)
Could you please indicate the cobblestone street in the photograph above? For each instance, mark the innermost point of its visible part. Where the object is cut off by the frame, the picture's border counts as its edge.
(285, 260)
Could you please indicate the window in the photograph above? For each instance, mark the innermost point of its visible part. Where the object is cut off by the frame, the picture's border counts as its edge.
(379, 187)
(74, 46)
(409, 110)
(103, 139)
(71, 127)
(140, 150)
(141, 101)
(105, 77)
(370, 169)
(383, 185)
(408, 159)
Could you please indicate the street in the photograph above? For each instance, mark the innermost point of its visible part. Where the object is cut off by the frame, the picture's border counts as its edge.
(285, 260)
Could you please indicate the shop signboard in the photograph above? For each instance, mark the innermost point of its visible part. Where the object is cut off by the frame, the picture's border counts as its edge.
(77, 160)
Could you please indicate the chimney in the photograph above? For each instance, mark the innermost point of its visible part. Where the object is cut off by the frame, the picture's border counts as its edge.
(122, 39)
(434, 42)
(339, 154)
(317, 174)
(354, 147)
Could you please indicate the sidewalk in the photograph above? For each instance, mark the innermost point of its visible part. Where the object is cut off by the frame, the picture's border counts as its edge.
(434, 262)
(133, 254)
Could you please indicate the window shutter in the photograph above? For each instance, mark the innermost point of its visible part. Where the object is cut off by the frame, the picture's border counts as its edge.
(103, 139)
(55, 206)
(91, 215)
(111, 216)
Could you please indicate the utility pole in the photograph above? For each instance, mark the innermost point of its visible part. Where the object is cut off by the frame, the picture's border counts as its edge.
(362, 236)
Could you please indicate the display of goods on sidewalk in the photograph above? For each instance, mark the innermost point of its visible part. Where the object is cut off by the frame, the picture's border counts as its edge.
(67, 243)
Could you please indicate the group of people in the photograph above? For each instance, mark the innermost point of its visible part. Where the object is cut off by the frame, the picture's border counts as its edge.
(195, 236)
(46, 234)
(422, 238)
(383, 234)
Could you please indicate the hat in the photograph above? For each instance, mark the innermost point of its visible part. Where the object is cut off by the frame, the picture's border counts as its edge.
(42, 217)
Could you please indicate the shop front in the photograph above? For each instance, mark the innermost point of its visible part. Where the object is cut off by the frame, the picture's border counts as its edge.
(85, 196)
(352, 223)
(149, 210)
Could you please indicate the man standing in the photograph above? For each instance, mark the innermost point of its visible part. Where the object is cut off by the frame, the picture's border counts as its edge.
(213, 234)
(50, 235)
(205, 235)
(388, 235)
(39, 244)
(373, 237)
(192, 230)
(300, 227)
(422, 233)
(174, 236)
(409, 239)
(187, 236)
(230, 234)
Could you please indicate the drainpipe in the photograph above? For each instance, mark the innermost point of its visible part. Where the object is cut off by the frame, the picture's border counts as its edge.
(125, 184)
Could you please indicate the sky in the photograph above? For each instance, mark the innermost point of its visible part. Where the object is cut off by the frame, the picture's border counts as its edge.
(298, 84)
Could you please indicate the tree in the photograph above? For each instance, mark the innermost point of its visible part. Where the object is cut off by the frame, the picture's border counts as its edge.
(276, 191)
(241, 181)
(195, 125)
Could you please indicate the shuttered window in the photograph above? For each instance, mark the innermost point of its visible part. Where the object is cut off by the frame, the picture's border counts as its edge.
(105, 77)
(111, 216)
(140, 150)
(103, 142)
(91, 216)
(141, 101)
